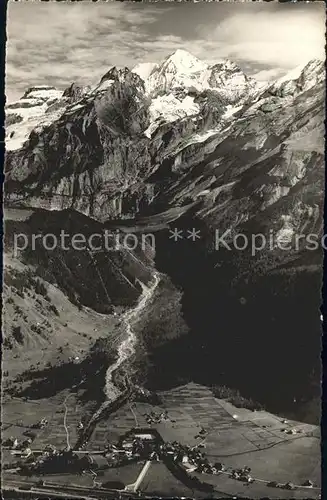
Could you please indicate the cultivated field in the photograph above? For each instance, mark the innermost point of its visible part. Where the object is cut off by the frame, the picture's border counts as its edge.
(236, 437)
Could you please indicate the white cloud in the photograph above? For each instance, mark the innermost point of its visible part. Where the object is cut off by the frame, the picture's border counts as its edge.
(57, 43)
(269, 74)
(283, 38)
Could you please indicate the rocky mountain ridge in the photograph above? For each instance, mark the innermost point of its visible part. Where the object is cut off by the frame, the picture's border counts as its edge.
(114, 137)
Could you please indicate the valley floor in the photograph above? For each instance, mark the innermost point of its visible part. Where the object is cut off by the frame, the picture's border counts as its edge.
(57, 354)
(236, 438)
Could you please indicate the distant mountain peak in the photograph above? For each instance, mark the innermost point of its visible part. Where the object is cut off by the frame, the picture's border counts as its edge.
(303, 77)
(183, 70)
(179, 69)
(184, 58)
(37, 88)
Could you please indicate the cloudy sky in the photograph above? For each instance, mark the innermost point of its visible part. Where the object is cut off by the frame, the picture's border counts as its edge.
(57, 43)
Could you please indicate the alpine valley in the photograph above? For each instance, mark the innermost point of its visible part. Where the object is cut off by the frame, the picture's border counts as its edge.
(180, 147)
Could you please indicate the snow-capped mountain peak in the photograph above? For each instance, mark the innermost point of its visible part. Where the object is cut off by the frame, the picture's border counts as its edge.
(38, 104)
(184, 62)
(180, 69)
(42, 92)
(179, 62)
(301, 78)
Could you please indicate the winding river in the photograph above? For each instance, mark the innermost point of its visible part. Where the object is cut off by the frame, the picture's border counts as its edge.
(126, 348)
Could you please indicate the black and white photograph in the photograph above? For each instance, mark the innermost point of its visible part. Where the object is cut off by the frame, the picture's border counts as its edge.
(163, 250)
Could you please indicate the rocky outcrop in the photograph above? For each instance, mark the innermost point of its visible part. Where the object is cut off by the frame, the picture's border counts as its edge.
(85, 159)
(75, 92)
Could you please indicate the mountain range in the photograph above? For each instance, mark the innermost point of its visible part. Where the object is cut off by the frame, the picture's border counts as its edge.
(187, 145)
